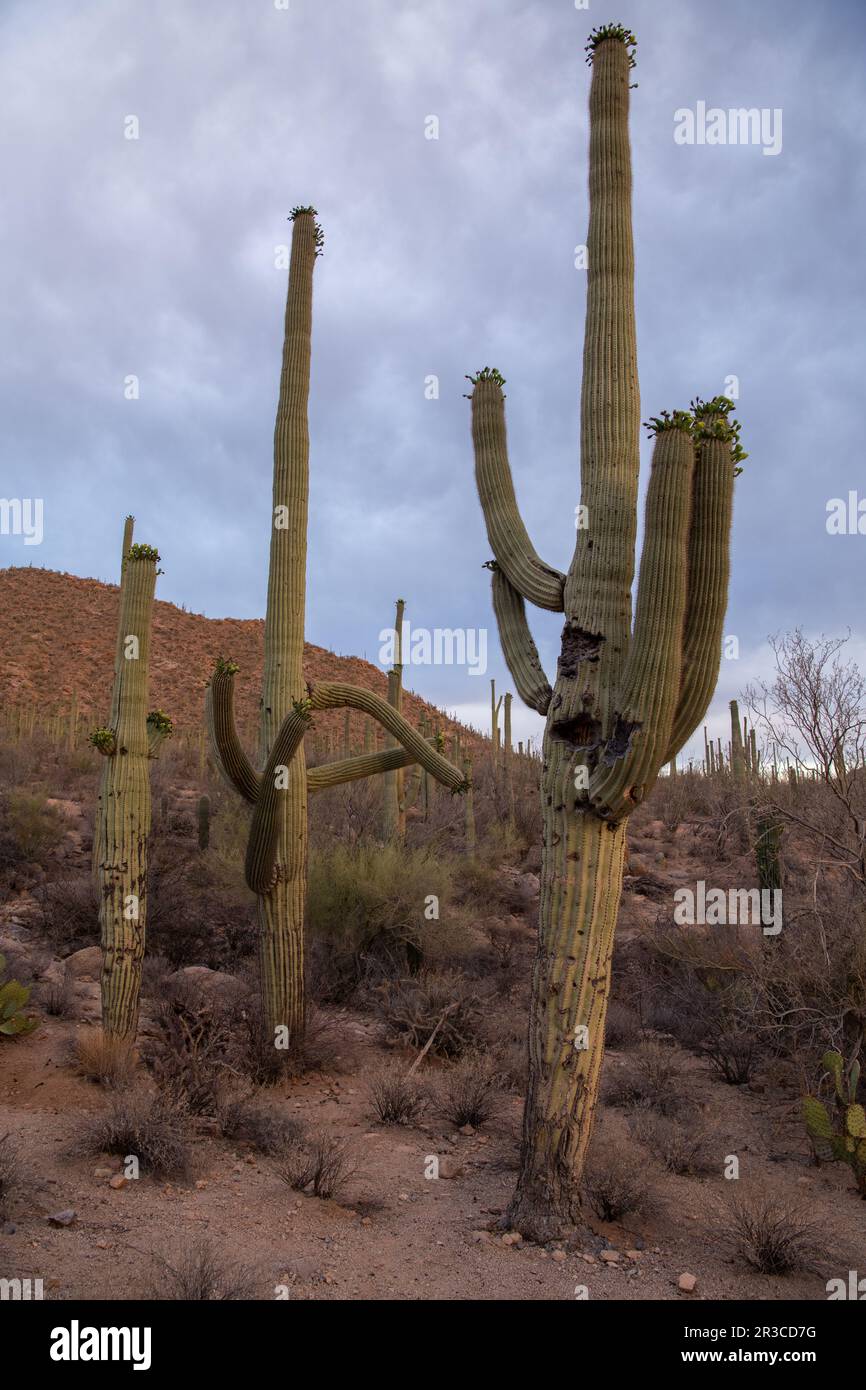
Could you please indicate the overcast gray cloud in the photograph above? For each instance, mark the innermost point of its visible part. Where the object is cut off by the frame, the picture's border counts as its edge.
(155, 258)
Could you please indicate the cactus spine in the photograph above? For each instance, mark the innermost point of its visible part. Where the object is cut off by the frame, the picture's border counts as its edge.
(625, 699)
(124, 810)
(276, 857)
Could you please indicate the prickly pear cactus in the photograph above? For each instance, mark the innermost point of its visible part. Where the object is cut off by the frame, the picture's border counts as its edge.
(847, 1142)
(13, 999)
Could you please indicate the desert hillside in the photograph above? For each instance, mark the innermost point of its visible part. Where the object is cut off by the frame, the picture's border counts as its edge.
(58, 645)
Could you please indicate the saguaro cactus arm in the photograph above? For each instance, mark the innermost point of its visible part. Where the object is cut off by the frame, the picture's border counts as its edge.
(513, 549)
(261, 870)
(159, 728)
(518, 645)
(716, 464)
(647, 698)
(231, 758)
(364, 765)
(337, 695)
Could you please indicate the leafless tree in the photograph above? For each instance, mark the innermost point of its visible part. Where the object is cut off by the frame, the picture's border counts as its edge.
(814, 710)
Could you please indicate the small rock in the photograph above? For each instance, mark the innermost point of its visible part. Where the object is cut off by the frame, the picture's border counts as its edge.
(62, 1218)
(512, 1238)
(480, 1237)
(686, 1283)
(468, 1130)
(610, 1257)
(365, 1221)
(201, 1184)
(118, 1181)
(102, 1172)
(9, 1228)
(632, 1254)
(560, 1256)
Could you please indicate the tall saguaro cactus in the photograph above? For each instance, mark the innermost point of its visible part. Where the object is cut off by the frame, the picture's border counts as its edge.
(626, 697)
(276, 860)
(123, 812)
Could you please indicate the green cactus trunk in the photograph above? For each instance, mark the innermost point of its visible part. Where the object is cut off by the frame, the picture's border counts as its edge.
(626, 697)
(124, 811)
(738, 754)
(281, 908)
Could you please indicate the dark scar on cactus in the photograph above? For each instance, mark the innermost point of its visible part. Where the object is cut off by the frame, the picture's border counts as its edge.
(582, 732)
(620, 740)
(577, 645)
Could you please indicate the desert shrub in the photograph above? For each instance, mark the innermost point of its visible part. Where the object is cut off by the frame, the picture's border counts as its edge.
(772, 1234)
(481, 884)
(732, 1051)
(397, 1097)
(651, 1077)
(622, 1028)
(29, 830)
(438, 1006)
(67, 913)
(319, 1164)
(365, 911)
(265, 1130)
(198, 912)
(58, 998)
(468, 1092)
(682, 1147)
(253, 1053)
(10, 1173)
(187, 1053)
(152, 1128)
(201, 1274)
(108, 1060)
(615, 1182)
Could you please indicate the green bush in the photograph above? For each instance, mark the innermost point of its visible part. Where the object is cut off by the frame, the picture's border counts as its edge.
(366, 912)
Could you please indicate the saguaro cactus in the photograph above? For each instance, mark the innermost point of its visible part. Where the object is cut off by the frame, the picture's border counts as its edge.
(277, 848)
(123, 812)
(738, 752)
(625, 698)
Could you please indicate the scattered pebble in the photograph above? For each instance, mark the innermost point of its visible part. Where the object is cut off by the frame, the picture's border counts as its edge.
(62, 1218)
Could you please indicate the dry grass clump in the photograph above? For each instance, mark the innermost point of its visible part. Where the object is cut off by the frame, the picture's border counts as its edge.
(615, 1181)
(105, 1059)
(772, 1234)
(318, 1164)
(397, 1097)
(682, 1147)
(153, 1129)
(246, 1122)
(201, 1275)
(469, 1093)
(10, 1173)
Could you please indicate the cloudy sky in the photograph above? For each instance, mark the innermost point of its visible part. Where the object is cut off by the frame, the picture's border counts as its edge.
(155, 257)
